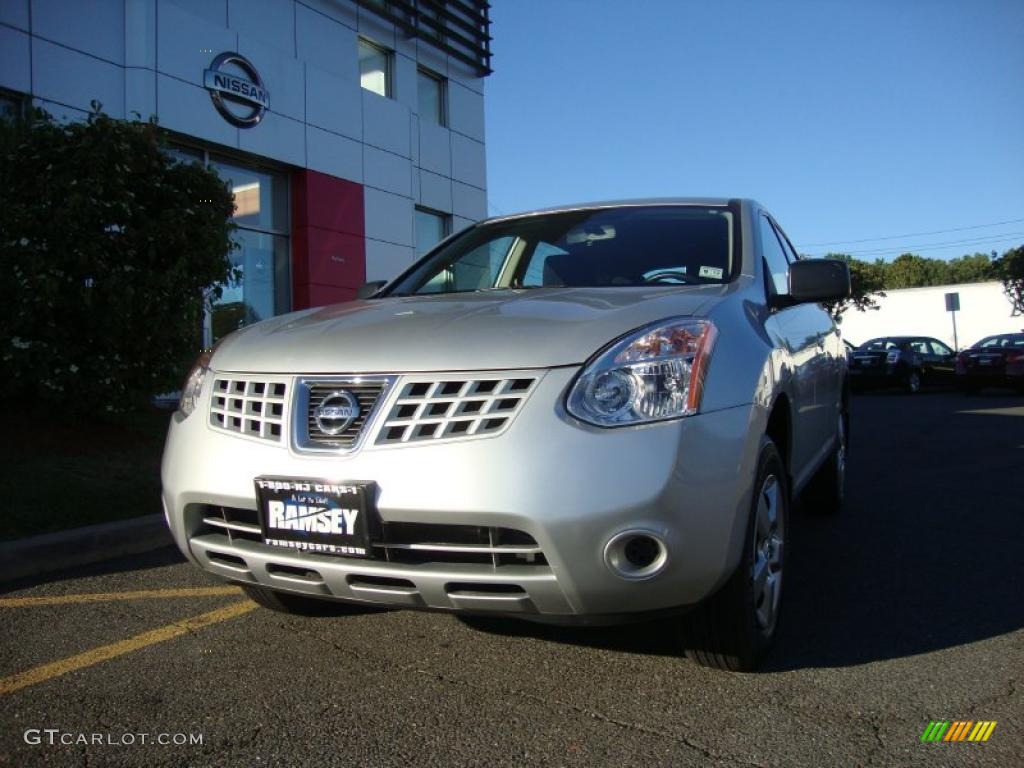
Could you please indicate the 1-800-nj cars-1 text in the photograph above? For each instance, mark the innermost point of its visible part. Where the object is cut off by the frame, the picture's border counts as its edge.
(588, 414)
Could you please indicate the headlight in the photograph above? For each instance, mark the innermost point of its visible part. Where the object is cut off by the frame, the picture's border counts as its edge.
(194, 383)
(652, 374)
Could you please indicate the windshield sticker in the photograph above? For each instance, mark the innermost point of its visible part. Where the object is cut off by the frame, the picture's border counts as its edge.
(712, 272)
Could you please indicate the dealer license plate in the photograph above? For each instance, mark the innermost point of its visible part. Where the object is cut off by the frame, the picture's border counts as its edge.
(316, 515)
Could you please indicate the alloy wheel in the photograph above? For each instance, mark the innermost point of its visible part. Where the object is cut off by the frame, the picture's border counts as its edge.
(766, 571)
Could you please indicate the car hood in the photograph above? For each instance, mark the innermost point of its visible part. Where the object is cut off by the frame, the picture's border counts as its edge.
(496, 329)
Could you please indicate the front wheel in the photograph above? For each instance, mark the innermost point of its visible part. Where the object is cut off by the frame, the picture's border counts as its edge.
(913, 382)
(734, 629)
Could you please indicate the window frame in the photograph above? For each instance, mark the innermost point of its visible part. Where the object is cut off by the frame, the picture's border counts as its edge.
(442, 87)
(787, 247)
(389, 66)
(769, 276)
(446, 228)
(206, 158)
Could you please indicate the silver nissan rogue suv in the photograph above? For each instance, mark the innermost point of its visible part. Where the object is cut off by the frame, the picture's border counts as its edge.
(582, 415)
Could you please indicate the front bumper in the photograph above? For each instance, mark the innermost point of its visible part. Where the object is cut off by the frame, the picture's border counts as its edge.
(569, 486)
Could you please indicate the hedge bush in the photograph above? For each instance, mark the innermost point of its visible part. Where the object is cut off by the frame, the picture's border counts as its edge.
(107, 245)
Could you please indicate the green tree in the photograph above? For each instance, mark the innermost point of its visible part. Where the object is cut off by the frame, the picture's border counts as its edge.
(107, 247)
(975, 268)
(866, 282)
(912, 271)
(1009, 268)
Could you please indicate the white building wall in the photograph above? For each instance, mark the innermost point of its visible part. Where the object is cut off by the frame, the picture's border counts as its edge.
(984, 310)
(148, 57)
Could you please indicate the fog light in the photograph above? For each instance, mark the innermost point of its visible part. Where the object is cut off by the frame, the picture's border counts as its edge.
(635, 554)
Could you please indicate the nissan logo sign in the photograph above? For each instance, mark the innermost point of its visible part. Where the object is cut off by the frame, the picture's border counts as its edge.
(336, 412)
(241, 99)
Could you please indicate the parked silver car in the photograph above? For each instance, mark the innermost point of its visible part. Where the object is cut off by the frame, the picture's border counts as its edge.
(585, 414)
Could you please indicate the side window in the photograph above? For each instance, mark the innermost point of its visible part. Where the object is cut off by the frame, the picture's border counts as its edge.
(774, 257)
(535, 273)
(786, 245)
(474, 270)
(920, 347)
(941, 349)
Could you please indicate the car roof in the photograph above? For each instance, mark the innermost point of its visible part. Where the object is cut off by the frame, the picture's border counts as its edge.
(636, 203)
(1011, 335)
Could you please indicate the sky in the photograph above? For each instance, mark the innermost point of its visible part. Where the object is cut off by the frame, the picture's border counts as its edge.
(850, 121)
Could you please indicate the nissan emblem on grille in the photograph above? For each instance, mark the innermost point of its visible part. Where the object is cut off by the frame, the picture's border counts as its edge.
(336, 412)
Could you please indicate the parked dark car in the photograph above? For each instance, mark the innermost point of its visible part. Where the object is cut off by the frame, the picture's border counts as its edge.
(850, 349)
(910, 362)
(995, 361)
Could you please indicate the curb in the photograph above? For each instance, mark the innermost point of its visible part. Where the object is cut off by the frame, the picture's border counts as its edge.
(82, 546)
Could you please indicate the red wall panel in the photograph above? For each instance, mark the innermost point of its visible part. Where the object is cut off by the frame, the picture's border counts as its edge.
(328, 246)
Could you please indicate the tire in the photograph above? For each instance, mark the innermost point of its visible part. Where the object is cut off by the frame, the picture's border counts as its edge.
(735, 628)
(826, 492)
(913, 382)
(296, 605)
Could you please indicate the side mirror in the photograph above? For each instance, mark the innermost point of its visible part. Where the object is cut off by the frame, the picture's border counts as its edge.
(369, 290)
(818, 280)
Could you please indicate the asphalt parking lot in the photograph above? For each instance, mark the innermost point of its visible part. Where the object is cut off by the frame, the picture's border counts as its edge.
(906, 609)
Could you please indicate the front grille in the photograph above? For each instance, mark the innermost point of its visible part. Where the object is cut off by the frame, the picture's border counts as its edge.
(247, 406)
(453, 408)
(235, 523)
(417, 543)
(311, 393)
(407, 543)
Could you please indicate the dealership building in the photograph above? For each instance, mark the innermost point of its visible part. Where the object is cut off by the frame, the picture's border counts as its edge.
(351, 131)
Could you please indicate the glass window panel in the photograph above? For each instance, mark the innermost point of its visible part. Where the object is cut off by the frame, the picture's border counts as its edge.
(786, 245)
(261, 198)
(600, 247)
(475, 270)
(10, 107)
(259, 292)
(185, 154)
(431, 228)
(282, 275)
(774, 257)
(430, 90)
(374, 68)
(534, 276)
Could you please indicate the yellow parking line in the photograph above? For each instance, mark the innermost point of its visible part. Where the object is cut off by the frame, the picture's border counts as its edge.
(102, 597)
(106, 652)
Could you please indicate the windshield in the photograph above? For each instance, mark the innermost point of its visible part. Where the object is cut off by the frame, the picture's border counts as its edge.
(628, 246)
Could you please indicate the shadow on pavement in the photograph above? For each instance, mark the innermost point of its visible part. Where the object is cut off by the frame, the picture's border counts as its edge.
(925, 556)
(158, 558)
